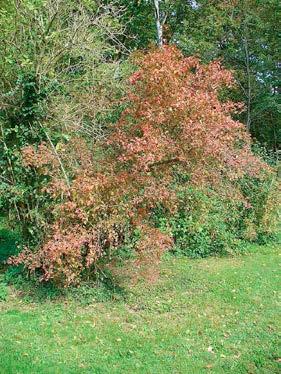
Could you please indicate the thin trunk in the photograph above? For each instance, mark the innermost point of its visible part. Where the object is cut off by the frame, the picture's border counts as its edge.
(249, 87)
(159, 25)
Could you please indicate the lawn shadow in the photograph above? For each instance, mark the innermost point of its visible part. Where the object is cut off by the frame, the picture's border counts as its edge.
(31, 290)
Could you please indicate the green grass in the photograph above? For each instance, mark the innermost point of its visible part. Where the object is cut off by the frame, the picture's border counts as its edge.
(216, 315)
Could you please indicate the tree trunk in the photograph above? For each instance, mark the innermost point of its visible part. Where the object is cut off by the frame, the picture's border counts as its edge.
(249, 87)
(159, 24)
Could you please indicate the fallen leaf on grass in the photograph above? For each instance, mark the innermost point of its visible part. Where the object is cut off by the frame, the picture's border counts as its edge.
(210, 349)
(209, 366)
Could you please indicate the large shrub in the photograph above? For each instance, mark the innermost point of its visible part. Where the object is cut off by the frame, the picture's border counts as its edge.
(174, 135)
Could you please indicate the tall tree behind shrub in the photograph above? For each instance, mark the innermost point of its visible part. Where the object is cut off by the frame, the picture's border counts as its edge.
(244, 35)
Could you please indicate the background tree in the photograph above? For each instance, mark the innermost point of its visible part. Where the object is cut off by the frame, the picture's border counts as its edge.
(243, 34)
(140, 20)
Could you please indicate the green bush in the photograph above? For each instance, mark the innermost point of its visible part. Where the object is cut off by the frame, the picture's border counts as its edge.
(206, 223)
(9, 241)
(201, 226)
(260, 221)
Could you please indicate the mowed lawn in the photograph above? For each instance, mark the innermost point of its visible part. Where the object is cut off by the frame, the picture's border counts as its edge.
(215, 315)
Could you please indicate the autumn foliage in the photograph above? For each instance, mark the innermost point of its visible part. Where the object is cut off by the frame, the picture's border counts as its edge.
(175, 132)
